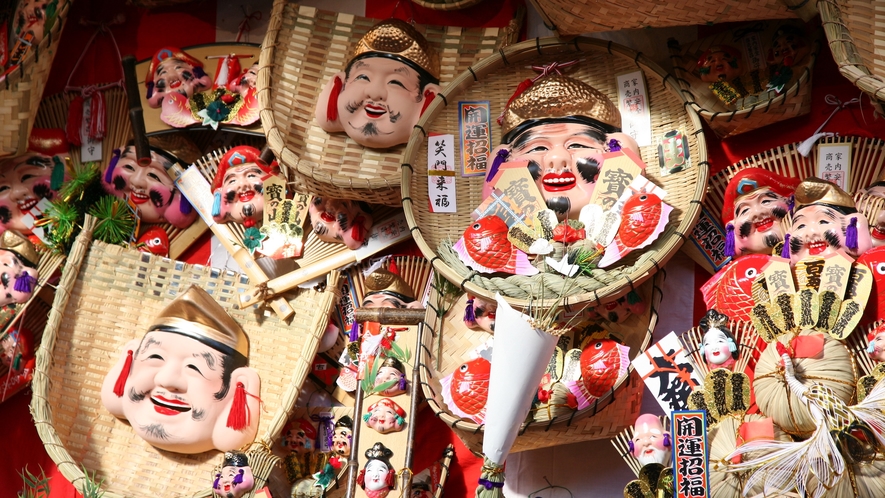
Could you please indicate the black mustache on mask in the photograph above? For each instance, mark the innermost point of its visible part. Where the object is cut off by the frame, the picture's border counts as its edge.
(779, 212)
(157, 198)
(744, 230)
(534, 170)
(43, 191)
(588, 167)
(830, 237)
(771, 240)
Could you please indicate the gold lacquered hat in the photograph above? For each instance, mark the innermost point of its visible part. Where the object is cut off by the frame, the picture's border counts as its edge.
(813, 190)
(382, 280)
(398, 39)
(196, 315)
(13, 241)
(556, 97)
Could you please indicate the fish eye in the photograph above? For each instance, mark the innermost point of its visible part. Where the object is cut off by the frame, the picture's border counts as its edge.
(598, 345)
(463, 368)
(880, 268)
(476, 226)
(155, 241)
(643, 197)
(750, 273)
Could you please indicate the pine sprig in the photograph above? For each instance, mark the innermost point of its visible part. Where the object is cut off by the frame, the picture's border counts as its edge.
(61, 220)
(82, 176)
(115, 221)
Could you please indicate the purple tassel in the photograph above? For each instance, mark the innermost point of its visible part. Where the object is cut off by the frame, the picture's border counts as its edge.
(469, 315)
(185, 206)
(238, 479)
(729, 240)
(24, 283)
(851, 234)
(198, 72)
(791, 203)
(150, 89)
(215, 484)
(500, 157)
(354, 332)
(402, 382)
(614, 145)
(785, 252)
(109, 173)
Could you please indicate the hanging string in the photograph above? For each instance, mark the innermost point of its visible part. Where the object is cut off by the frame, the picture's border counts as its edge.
(96, 126)
(245, 27)
(805, 147)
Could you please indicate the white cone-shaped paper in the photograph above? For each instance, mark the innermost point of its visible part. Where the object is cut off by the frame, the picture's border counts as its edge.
(519, 359)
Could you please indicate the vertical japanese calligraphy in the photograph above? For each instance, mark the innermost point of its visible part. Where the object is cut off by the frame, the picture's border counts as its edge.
(834, 164)
(441, 173)
(474, 120)
(668, 373)
(709, 237)
(633, 103)
(690, 469)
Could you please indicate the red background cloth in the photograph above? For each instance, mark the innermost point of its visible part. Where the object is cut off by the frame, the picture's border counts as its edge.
(145, 31)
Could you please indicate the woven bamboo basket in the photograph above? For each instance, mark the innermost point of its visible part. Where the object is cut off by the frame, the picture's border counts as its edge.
(106, 296)
(446, 4)
(21, 91)
(571, 17)
(867, 164)
(855, 41)
(605, 417)
(794, 101)
(494, 79)
(303, 48)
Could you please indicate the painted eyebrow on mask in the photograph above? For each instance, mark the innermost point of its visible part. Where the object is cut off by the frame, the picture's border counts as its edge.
(208, 357)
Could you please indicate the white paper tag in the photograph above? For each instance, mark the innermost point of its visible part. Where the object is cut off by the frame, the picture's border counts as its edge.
(90, 150)
(633, 103)
(754, 52)
(441, 173)
(834, 163)
(196, 188)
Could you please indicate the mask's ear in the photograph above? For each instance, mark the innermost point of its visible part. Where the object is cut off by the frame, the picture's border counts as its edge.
(429, 93)
(109, 398)
(326, 111)
(238, 423)
(180, 213)
(625, 140)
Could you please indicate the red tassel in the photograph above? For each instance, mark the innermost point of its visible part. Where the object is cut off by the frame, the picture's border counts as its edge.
(332, 106)
(392, 268)
(525, 85)
(124, 374)
(428, 98)
(238, 418)
(75, 120)
(97, 117)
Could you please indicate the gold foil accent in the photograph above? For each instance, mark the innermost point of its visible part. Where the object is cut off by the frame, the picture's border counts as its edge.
(815, 191)
(385, 280)
(195, 314)
(399, 38)
(558, 97)
(12, 240)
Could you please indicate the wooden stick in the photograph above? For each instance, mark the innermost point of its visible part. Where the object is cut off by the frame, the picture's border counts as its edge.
(353, 462)
(390, 316)
(294, 279)
(448, 453)
(136, 113)
(410, 440)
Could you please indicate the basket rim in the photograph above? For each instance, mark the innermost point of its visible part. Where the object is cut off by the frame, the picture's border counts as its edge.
(458, 423)
(499, 59)
(54, 35)
(851, 66)
(711, 116)
(41, 410)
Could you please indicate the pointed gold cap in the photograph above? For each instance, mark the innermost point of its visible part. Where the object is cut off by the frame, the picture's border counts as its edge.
(382, 280)
(813, 190)
(399, 40)
(558, 97)
(196, 315)
(13, 241)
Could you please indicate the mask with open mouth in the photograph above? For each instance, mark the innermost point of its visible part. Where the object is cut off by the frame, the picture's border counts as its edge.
(235, 478)
(340, 221)
(238, 186)
(172, 70)
(756, 200)
(391, 77)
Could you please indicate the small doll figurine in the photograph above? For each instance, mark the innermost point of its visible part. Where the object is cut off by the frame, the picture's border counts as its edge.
(562, 127)
(877, 189)
(391, 370)
(789, 48)
(235, 478)
(18, 260)
(186, 385)
(149, 187)
(27, 179)
(718, 347)
(342, 222)
(392, 76)
(16, 349)
(342, 438)
(876, 349)
(378, 477)
(299, 437)
(174, 71)
(480, 313)
(650, 444)
(825, 221)
(238, 187)
(756, 200)
(385, 416)
(719, 65)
